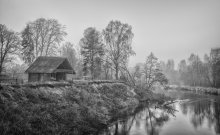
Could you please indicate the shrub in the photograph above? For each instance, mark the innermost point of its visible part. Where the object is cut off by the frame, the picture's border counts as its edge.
(61, 109)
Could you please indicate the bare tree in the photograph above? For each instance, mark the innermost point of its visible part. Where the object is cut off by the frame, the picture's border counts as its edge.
(118, 38)
(195, 69)
(207, 70)
(215, 64)
(107, 69)
(168, 69)
(196, 72)
(152, 72)
(183, 72)
(16, 69)
(144, 76)
(41, 38)
(9, 42)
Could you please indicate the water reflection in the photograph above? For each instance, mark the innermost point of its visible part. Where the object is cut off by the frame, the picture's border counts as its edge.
(197, 115)
(205, 112)
(148, 120)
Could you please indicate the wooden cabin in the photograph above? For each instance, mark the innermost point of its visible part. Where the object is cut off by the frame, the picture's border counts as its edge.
(47, 68)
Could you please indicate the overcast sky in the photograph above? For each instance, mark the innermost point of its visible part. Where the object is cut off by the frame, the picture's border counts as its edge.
(168, 28)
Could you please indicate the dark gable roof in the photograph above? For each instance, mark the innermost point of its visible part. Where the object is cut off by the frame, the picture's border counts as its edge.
(45, 64)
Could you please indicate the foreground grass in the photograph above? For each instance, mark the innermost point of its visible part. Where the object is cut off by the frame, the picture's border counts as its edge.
(61, 109)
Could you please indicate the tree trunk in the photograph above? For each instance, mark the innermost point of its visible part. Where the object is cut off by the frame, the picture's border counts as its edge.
(116, 129)
(1, 68)
(116, 71)
(92, 67)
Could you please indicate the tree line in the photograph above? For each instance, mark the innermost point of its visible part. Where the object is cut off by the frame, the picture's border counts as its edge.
(194, 71)
(99, 55)
(110, 48)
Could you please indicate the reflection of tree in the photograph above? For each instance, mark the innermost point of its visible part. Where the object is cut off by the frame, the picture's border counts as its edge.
(217, 116)
(154, 118)
(157, 117)
(202, 110)
(123, 127)
(184, 108)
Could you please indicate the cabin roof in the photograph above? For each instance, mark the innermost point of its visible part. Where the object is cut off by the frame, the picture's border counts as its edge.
(45, 64)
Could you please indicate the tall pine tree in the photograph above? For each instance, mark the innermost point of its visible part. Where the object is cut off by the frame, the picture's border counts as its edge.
(92, 50)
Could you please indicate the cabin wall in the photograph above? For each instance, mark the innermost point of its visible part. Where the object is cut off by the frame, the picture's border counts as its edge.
(38, 77)
(45, 77)
(60, 76)
(33, 77)
(42, 77)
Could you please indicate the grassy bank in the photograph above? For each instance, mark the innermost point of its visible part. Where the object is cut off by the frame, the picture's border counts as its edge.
(79, 108)
(205, 90)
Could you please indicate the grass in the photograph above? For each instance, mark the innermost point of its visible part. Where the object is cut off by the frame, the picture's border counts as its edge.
(61, 109)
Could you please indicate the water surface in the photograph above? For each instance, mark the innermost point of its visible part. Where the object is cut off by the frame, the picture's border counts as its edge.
(191, 114)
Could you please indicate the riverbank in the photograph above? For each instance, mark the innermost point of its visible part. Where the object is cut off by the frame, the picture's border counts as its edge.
(204, 90)
(62, 108)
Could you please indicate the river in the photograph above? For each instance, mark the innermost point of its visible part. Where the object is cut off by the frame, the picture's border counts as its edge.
(191, 114)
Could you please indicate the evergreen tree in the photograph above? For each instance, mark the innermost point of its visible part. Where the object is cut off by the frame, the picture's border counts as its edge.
(92, 51)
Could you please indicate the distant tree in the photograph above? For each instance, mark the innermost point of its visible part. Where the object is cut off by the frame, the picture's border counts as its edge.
(67, 50)
(92, 50)
(16, 70)
(182, 66)
(170, 72)
(41, 38)
(195, 69)
(215, 66)
(118, 38)
(170, 65)
(152, 72)
(182, 69)
(9, 44)
(216, 74)
(196, 72)
(163, 65)
(207, 71)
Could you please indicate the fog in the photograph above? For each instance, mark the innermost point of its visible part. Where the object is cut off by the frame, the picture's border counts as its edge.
(171, 29)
